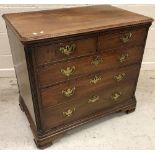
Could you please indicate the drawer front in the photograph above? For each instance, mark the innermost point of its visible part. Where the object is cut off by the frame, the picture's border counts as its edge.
(83, 87)
(78, 109)
(124, 38)
(87, 65)
(64, 50)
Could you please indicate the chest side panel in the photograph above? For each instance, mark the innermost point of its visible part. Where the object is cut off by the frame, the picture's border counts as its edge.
(21, 70)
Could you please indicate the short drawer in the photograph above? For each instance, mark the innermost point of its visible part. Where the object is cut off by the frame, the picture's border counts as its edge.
(126, 37)
(83, 87)
(60, 72)
(65, 49)
(84, 107)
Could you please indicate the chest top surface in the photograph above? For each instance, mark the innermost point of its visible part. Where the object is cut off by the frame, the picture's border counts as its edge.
(31, 26)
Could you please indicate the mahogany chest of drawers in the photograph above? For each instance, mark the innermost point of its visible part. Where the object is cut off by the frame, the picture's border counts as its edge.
(75, 65)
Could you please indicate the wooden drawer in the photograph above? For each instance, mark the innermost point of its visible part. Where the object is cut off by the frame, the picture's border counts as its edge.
(125, 37)
(83, 87)
(65, 49)
(60, 72)
(77, 109)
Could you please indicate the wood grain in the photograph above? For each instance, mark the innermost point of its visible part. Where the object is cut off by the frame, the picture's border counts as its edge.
(62, 22)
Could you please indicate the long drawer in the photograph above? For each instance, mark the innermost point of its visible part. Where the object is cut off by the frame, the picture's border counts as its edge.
(86, 86)
(77, 109)
(60, 72)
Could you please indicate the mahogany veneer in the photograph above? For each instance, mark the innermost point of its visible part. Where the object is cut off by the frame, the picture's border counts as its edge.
(73, 69)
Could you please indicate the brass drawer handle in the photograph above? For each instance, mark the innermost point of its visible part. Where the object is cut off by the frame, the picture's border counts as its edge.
(119, 77)
(123, 58)
(97, 60)
(126, 37)
(94, 99)
(68, 49)
(115, 96)
(68, 71)
(69, 92)
(69, 112)
(95, 79)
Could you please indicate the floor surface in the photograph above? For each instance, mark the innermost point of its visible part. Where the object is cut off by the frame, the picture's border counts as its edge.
(118, 131)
